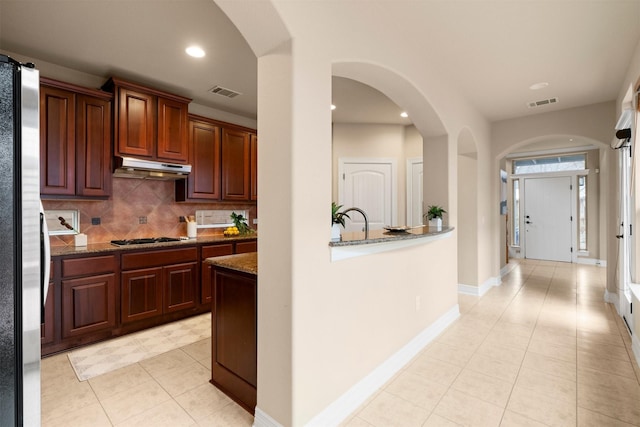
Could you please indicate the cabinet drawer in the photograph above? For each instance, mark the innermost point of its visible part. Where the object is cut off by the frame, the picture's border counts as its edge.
(217, 250)
(244, 247)
(88, 266)
(158, 258)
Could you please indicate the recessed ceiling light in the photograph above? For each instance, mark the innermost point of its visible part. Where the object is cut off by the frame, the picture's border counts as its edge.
(539, 85)
(333, 107)
(404, 114)
(195, 51)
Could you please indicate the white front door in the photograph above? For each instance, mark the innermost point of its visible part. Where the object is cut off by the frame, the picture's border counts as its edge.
(547, 218)
(368, 185)
(414, 192)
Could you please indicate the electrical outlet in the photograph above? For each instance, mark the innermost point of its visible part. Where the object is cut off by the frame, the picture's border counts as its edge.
(255, 221)
(142, 220)
(95, 221)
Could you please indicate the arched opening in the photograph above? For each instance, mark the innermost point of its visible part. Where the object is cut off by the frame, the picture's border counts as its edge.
(548, 157)
(373, 130)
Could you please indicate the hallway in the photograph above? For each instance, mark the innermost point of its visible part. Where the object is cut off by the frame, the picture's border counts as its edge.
(542, 349)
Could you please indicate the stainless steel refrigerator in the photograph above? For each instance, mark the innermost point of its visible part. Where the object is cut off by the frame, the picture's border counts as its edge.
(20, 248)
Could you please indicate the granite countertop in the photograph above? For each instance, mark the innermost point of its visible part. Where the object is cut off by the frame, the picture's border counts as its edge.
(108, 247)
(246, 263)
(384, 236)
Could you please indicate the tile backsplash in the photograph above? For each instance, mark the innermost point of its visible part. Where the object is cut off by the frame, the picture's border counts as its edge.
(133, 200)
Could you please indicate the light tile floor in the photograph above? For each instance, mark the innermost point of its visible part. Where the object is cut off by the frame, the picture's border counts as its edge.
(542, 349)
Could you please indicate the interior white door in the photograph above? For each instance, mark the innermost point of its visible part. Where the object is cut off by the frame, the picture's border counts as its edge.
(414, 192)
(368, 186)
(547, 217)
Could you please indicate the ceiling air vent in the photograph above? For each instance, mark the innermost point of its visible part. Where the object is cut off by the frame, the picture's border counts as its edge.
(542, 102)
(223, 91)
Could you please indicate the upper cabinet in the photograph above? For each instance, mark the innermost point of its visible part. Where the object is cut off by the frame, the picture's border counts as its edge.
(236, 164)
(75, 141)
(223, 159)
(150, 124)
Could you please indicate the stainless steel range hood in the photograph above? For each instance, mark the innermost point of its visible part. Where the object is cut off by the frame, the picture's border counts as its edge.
(128, 167)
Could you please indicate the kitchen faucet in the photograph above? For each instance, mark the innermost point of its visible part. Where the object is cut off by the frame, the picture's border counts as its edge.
(366, 220)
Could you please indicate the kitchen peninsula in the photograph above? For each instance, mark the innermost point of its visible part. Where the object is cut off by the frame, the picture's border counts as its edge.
(355, 244)
(234, 328)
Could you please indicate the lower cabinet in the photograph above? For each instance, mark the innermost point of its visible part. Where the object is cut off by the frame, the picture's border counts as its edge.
(210, 252)
(99, 296)
(141, 294)
(88, 291)
(234, 335)
(158, 282)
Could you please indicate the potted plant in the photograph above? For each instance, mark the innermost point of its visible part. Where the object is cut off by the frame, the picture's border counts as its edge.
(337, 220)
(434, 215)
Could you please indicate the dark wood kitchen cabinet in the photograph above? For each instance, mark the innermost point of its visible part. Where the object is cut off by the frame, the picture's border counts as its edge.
(224, 163)
(204, 156)
(211, 251)
(234, 335)
(141, 294)
(236, 165)
(88, 295)
(150, 123)
(158, 282)
(75, 141)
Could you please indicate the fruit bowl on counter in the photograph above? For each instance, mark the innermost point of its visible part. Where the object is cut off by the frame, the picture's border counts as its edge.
(231, 232)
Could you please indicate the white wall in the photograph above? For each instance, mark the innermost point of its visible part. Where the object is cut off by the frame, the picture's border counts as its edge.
(79, 78)
(593, 123)
(325, 326)
(377, 141)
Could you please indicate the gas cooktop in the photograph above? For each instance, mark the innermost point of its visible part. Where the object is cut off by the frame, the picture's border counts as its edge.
(144, 240)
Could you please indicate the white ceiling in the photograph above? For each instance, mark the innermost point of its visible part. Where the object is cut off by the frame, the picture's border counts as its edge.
(494, 49)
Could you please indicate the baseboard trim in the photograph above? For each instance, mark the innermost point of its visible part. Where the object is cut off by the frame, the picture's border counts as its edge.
(262, 419)
(346, 404)
(612, 298)
(507, 268)
(592, 261)
(479, 291)
(635, 346)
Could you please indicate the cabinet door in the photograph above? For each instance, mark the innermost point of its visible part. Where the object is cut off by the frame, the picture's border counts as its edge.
(136, 123)
(254, 167)
(234, 335)
(210, 252)
(204, 156)
(141, 294)
(180, 286)
(57, 141)
(93, 147)
(235, 165)
(88, 304)
(172, 131)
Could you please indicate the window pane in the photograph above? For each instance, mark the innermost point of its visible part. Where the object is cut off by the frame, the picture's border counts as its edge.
(582, 213)
(569, 162)
(516, 213)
